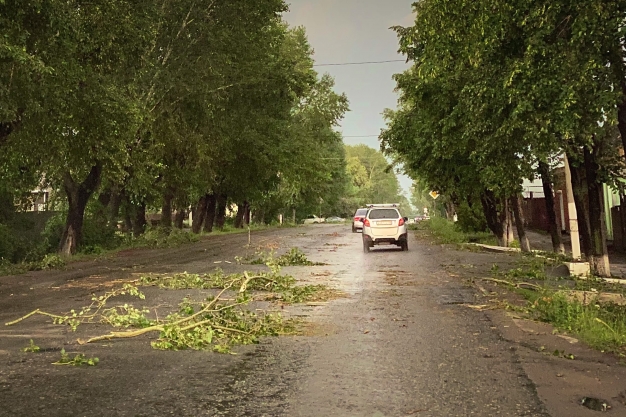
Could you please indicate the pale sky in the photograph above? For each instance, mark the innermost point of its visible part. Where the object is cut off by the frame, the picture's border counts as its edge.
(344, 31)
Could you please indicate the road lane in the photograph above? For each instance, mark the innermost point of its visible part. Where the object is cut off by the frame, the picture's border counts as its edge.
(404, 345)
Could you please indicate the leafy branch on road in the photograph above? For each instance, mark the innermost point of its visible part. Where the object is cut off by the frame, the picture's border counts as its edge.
(295, 257)
(78, 360)
(220, 321)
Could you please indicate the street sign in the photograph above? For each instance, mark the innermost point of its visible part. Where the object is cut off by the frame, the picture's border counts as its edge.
(434, 194)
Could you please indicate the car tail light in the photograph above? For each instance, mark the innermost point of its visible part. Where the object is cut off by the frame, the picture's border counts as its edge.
(401, 222)
(357, 219)
(366, 223)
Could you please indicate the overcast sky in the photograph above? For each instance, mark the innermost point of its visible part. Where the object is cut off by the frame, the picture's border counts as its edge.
(344, 31)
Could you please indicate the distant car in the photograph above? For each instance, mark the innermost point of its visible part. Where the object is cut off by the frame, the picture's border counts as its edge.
(313, 219)
(335, 219)
(383, 225)
(357, 221)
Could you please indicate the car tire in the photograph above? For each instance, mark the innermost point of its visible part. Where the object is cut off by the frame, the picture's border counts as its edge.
(353, 229)
(405, 246)
(366, 248)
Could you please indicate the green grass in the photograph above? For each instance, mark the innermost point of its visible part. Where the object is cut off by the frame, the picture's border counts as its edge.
(600, 325)
(447, 232)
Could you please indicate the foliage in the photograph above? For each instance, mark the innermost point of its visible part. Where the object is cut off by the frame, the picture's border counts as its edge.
(78, 360)
(372, 179)
(295, 257)
(482, 104)
(447, 232)
(32, 347)
(160, 109)
(283, 287)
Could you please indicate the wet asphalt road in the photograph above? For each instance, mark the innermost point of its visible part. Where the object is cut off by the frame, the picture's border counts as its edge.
(403, 344)
(400, 344)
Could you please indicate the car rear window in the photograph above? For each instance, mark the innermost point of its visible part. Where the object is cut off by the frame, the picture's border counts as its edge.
(361, 212)
(384, 214)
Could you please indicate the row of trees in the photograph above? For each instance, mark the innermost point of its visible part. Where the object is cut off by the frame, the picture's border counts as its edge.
(499, 91)
(170, 105)
(371, 180)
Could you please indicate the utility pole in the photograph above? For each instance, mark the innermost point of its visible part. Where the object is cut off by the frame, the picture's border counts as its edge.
(571, 208)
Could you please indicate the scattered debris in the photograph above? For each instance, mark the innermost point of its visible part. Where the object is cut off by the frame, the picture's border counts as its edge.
(78, 360)
(218, 322)
(595, 404)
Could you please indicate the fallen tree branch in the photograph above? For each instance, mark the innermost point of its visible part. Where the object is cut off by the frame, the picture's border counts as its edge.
(528, 285)
(33, 313)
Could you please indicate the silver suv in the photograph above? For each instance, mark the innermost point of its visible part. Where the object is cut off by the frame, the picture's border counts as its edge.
(383, 225)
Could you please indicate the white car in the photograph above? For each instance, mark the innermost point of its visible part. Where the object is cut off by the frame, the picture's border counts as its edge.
(357, 221)
(313, 219)
(383, 225)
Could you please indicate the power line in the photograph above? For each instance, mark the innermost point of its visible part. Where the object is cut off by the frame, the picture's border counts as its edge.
(359, 63)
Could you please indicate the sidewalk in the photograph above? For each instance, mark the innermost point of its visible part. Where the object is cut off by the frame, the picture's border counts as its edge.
(542, 241)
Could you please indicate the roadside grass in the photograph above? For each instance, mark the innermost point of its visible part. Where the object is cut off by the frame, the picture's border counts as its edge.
(447, 232)
(580, 307)
(153, 238)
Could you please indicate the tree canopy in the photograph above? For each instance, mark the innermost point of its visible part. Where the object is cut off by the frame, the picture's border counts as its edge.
(176, 104)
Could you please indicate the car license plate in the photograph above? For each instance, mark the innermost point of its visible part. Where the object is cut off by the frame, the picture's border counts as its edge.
(384, 223)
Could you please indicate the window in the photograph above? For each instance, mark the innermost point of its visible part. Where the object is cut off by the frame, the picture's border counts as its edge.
(376, 214)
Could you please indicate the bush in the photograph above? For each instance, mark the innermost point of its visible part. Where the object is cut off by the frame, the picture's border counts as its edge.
(471, 219)
(51, 235)
(448, 232)
(7, 243)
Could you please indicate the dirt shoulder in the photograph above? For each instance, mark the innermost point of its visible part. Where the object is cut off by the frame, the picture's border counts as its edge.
(563, 369)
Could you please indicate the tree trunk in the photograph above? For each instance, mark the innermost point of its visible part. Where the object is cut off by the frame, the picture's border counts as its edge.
(128, 211)
(293, 216)
(179, 220)
(580, 191)
(139, 226)
(510, 235)
(555, 229)
(101, 214)
(259, 216)
(450, 210)
(518, 212)
(114, 207)
(241, 208)
(166, 208)
(199, 214)
(493, 216)
(220, 211)
(247, 215)
(209, 219)
(618, 65)
(599, 260)
(77, 197)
